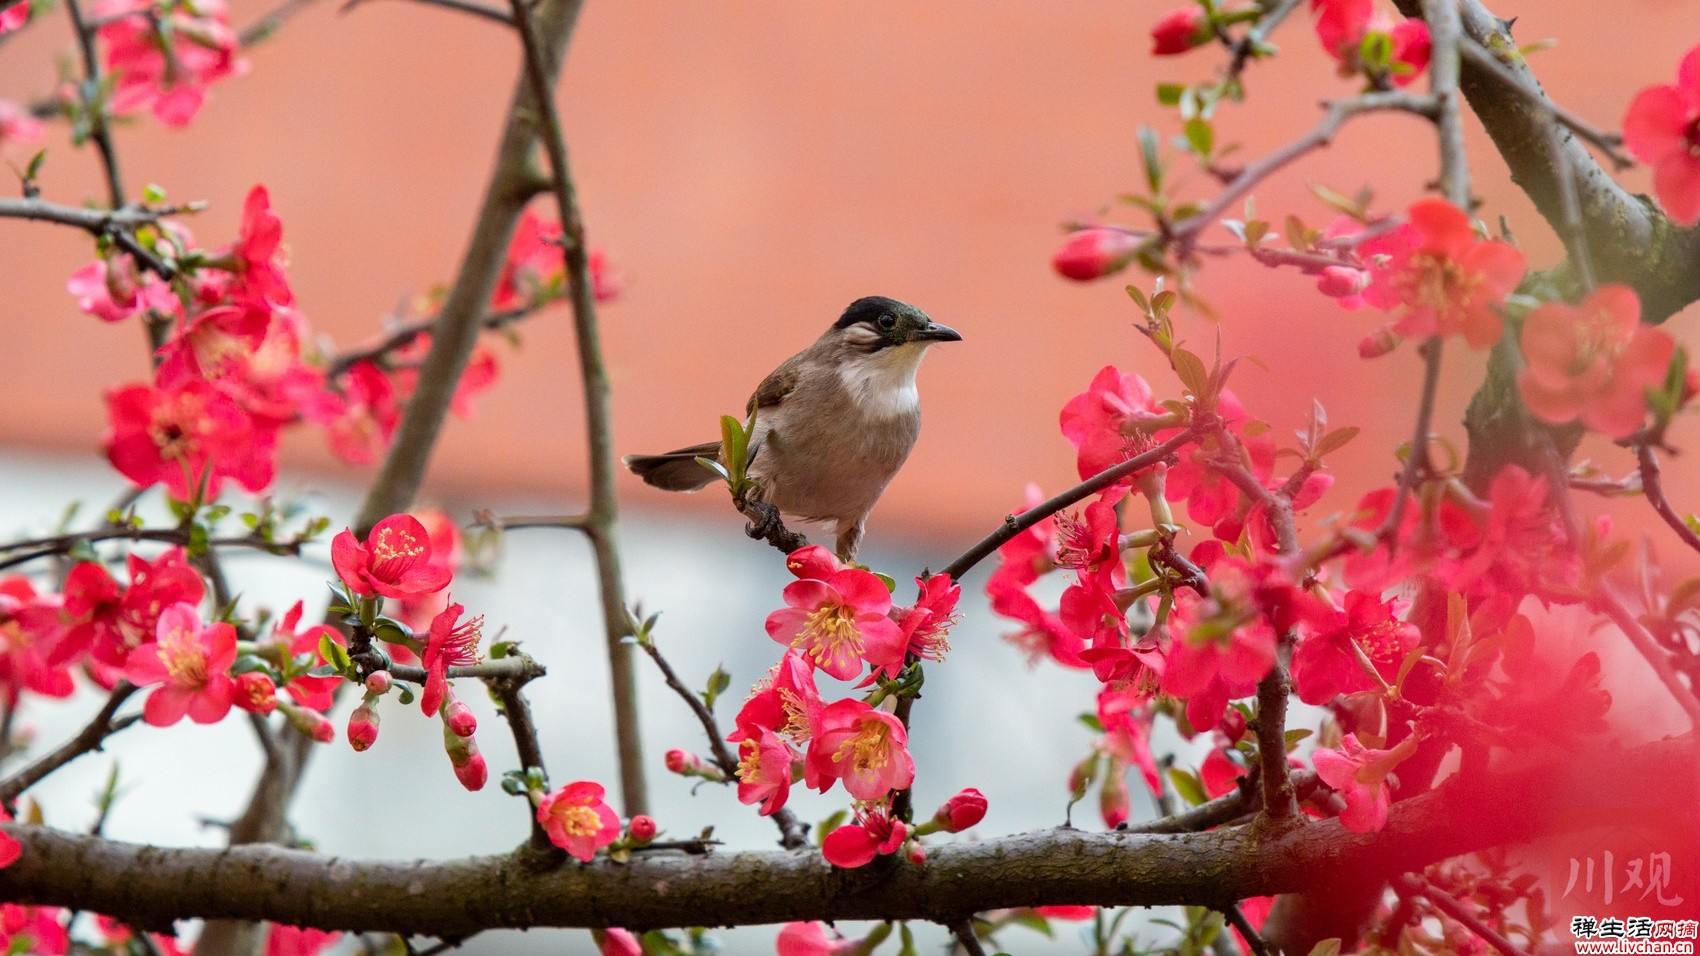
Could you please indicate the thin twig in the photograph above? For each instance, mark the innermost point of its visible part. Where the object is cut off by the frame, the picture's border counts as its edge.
(792, 833)
(1253, 938)
(99, 129)
(403, 335)
(1416, 461)
(92, 737)
(509, 692)
(485, 519)
(1184, 233)
(1017, 523)
(1224, 809)
(458, 6)
(262, 29)
(63, 544)
(1446, 34)
(1258, 35)
(963, 931)
(1688, 698)
(1652, 486)
(599, 427)
(1410, 885)
(1608, 144)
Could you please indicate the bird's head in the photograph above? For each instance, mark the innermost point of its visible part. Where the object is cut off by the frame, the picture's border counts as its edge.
(874, 325)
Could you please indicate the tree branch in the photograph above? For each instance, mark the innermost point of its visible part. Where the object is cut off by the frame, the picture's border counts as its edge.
(401, 336)
(147, 886)
(1652, 486)
(1409, 885)
(93, 737)
(509, 691)
(599, 420)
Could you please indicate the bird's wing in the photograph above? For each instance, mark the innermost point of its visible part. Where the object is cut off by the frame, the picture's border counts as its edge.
(776, 386)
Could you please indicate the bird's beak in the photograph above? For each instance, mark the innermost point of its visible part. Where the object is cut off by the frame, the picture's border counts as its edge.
(934, 332)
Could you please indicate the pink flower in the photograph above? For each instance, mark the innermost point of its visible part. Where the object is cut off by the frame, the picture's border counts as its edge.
(642, 828)
(616, 942)
(446, 551)
(1178, 31)
(926, 626)
(395, 560)
(256, 693)
(110, 620)
(168, 71)
(873, 834)
(577, 820)
(478, 377)
(1359, 775)
(448, 644)
(185, 434)
(1222, 646)
(1593, 361)
(113, 291)
(1662, 129)
(1094, 253)
(810, 939)
(16, 124)
(10, 848)
(866, 748)
(961, 811)
(840, 622)
(1109, 422)
(365, 420)
(1343, 25)
(764, 770)
(258, 254)
(1127, 717)
(786, 703)
(1446, 280)
(30, 630)
(312, 692)
(1325, 662)
(14, 15)
(536, 272)
(35, 930)
(189, 660)
(363, 727)
(1219, 774)
(813, 563)
(299, 941)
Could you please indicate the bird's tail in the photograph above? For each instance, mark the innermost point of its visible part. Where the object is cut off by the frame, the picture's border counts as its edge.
(676, 470)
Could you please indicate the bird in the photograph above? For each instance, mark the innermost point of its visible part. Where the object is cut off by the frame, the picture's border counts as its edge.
(833, 423)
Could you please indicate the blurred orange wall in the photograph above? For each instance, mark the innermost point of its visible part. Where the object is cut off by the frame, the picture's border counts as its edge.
(752, 167)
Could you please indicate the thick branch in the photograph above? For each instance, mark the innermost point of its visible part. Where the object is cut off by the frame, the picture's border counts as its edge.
(1632, 242)
(147, 886)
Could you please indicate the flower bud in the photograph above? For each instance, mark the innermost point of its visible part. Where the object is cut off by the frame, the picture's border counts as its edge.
(1337, 282)
(256, 693)
(363, 727)
(914, 852)
(310, 723)
(682, 761)
(1094, 253)
(1114, 802)
(121, 281)
(468, 763)
(1180, 30)
(616, 942)
(1233, 724)
(961, 811)
(378, 683)
(459, 717)
(1379, 342)
(642, 829)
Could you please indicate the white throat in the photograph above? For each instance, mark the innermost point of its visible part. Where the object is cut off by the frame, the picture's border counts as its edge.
(882, 385)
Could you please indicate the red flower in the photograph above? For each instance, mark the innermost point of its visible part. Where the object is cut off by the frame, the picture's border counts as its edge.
(395, 561)
(1127, 717)
(14, 15)
(10, 848)
(1662, 129)
(577, 820)
(1210, 497)
(926, 626)
(787, 703)
(447, 552)
(535, 271)
(113, 291)
(30, 631)
(840, 622)
(167, 70)
(363, 727)
(1222, 646)
(873, 834)
(317, 693)
(867, 748)
(616, 942)
(642, 828)
(189, 661)
(810, 939)
(813, 563)
(764, 769)
(1343, 25)
(1094, 253)
(35, 930)
(1359, 776)
(1325, 662)
(448, 644)
(469, 766)
(184, 434)
(256, 693)
(298, 941)
(961, 811)
(1593, 361)
(1108, 423)
(366, 419)
(1447, 280)
(1178, 31)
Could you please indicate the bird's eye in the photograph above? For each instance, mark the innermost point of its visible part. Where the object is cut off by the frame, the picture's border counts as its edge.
(887, 321)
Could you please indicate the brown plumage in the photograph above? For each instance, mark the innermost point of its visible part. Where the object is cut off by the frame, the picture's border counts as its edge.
(835, 421)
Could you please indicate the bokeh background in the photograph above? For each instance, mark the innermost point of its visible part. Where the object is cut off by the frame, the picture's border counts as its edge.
(750, 167)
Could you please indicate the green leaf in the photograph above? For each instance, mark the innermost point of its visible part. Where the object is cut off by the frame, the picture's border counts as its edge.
(153, 194)
(1169, 94)
(1151, 159)
(1092, 722)
(830, 824)
(1200, 137)
(1328, 947)
(1335, 440)
(717, 684)
(335, 654)
(715, 467)
(1186, 784)
(1189, 368)
(889, 581)
(1294, 736)
(406, 696)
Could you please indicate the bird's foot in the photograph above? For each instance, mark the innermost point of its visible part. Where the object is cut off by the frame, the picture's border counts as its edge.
(766, 525)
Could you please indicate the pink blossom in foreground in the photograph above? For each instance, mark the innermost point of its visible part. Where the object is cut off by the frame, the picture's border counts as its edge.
(578, 820)
(189, 660)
